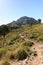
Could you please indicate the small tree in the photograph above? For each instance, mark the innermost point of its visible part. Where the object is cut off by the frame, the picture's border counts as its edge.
(4, 30)
(39, 20)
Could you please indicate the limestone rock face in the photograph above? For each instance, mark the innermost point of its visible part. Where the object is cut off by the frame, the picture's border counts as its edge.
(23, 21)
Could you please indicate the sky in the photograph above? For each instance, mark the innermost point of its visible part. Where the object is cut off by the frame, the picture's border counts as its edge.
(13, 9)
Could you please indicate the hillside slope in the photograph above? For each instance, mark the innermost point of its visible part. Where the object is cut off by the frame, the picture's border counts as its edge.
(23, 46)
(38, 60)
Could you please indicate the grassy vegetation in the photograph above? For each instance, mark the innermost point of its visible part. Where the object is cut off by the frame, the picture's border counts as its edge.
(40, 38)
(5, 63)
(36, 32)
(17, 46)
(28, 43)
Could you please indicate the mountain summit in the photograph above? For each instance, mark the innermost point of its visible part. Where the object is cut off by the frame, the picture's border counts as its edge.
(23, 21)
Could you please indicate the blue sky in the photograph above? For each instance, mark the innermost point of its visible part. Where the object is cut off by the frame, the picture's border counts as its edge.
(13, 9)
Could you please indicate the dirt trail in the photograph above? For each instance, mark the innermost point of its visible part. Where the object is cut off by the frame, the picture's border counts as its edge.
(39, 48)
(38, 60)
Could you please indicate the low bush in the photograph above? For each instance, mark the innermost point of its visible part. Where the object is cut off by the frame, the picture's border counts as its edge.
(33, 53)
(28, 43)
(10, 43)
(11, 57)
(33, 36)
(5, 63)
(15, 38)
(2, 52)
(21, 55)
(40, 38)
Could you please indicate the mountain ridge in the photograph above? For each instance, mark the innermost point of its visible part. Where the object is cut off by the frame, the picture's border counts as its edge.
(23, 21)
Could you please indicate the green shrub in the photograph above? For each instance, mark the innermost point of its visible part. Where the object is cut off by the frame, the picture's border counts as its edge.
(33, 36)
(11, 57)
(33, 53)
(21, 55)
(2, 52)
(10, 43)
(28, 43)
(40, 38)
(15, 38)
(6, 63)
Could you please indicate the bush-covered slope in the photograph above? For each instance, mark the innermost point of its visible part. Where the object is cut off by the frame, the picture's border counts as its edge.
(17, 44)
